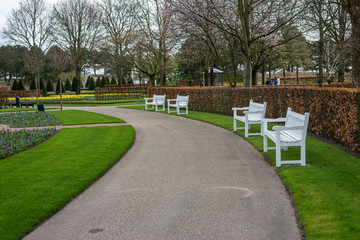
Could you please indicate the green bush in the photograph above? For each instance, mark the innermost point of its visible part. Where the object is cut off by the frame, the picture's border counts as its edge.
(67, 85)
(32, 85)
(113, 80)
(74, 85)
(91, 84)
(98, 82)
(14, 85)
(42, 86)
(20, 85)
(58, 86)
(103, 81)
(49, 86)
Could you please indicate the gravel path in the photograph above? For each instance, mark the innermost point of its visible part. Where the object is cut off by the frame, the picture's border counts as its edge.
(182, 179)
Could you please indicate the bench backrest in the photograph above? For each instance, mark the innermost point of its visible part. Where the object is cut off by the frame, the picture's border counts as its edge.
(253, 106)
(182, 100)
(297, 119)
(160, 98)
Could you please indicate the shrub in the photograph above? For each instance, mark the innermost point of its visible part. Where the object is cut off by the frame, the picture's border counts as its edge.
(91, 84)
(334, 112)
(67, 85)
(58, 86)
(87, 81)
(103, 81)
(32, 85)
(98, 82)
(49, 86)
(20, 85)
(113, 80)
(74, 85)
(14, 86)
(42, 86)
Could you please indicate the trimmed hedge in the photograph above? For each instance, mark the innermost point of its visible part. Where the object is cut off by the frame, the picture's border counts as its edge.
(334, 112)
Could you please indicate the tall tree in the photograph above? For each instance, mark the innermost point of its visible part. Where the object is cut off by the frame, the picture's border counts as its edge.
(353, 8)
(29, 26)
(117, 17)
(59, 59)
(76, 29)
(249, 21)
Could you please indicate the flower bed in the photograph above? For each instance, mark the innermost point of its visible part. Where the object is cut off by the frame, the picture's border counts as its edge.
(29, 119)
(56, 98)
(15, 141)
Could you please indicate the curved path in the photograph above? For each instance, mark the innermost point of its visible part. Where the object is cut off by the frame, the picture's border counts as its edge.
(182, 179)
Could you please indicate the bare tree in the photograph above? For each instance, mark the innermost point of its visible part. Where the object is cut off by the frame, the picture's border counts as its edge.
(76, 29)
(59, 59)
(117, 17)
(29, 26)
(250, 21)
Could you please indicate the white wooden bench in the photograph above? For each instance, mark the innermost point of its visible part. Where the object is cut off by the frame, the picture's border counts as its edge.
(292, 134)
(156, 100)
(253, 115)
(179, 102)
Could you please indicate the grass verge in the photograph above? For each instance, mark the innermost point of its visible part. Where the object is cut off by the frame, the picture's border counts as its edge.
(77, 117)
(326, 193)
(38, 182)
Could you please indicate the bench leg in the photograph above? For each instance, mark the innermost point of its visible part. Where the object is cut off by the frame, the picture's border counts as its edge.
(278, 154)
(265, 143)
(246, 129)
(303, 155)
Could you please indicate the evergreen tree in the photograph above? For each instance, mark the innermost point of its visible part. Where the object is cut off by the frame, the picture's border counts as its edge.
(91, 84)
(103, 81)
(14, 85)
(87, 81)
(73, 85)
(49, 86)
(63, 89)
(98, 82)
(32, 85)
(67, 85)
(20, 85)
(42, 86)
(107, 80)
(113, 80)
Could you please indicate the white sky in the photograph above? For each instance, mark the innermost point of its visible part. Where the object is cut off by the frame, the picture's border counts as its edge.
(5, 9)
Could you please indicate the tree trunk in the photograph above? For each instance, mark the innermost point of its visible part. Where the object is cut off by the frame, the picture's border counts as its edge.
(253, 77)
(321, 48)
(78, 78)
(354, 10)
(247, 71)
(212, 75)
(263, 74)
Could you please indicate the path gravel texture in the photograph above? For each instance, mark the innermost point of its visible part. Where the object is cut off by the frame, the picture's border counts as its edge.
(182, 179)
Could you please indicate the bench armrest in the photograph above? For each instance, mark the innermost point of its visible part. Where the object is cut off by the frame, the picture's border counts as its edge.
(242, 108)
(273, 120)
(249, 112)
(171, 100)
(282, 128)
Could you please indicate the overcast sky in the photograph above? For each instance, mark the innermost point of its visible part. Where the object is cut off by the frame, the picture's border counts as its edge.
(5, 8)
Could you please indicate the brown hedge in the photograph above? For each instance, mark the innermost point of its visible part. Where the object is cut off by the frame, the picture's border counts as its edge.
(334, 112)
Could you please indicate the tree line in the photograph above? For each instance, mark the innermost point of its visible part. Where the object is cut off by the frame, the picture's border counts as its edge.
(159, 39)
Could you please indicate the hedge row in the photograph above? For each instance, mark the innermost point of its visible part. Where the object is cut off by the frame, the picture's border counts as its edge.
(116, 93)
(334, 112)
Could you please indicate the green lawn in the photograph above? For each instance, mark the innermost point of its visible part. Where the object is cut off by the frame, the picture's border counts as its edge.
(326, 193)
(38, 182)
(77, 117)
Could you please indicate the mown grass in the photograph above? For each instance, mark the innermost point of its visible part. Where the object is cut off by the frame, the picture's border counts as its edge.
(77, 117)
(326, 193)
(36, 183)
